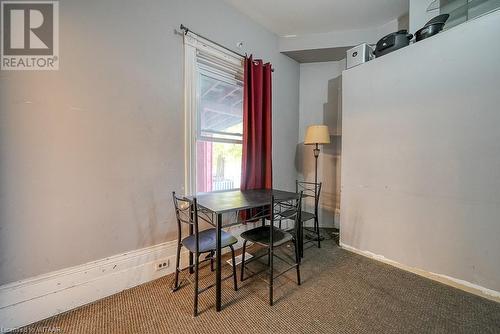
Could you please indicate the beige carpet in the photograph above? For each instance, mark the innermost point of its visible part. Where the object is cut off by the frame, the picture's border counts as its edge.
(341, 293)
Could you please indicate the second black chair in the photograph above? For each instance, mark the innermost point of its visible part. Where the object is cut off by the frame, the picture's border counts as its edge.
(198, 243)
(272, 237)
(312, 190)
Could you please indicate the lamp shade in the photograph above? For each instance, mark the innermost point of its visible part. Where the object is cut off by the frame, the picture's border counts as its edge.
(317, 134)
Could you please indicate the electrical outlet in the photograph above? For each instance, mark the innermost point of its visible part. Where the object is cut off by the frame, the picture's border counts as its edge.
(162, 264)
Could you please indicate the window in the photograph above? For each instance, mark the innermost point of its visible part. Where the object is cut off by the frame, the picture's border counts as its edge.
(214, 117)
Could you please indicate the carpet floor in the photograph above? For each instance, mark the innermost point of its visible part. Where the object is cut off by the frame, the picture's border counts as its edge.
(341, 292)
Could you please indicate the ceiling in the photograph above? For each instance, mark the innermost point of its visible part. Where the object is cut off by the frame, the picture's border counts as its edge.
(318, 55)
(299, 17)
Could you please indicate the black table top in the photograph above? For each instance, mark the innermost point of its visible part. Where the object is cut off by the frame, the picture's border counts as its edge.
(234, 200)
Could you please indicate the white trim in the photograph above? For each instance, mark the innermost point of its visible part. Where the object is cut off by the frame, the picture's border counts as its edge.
(454, 282)
(40, 297)
(211, 48)
(196, 48)
(33, 299)
(190, 101)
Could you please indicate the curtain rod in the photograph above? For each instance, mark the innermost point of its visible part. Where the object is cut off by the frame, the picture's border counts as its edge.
(186, 30)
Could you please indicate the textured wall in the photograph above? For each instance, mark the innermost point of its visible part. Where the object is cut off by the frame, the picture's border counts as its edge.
(320, 103)
(421, 154)
(89, 154)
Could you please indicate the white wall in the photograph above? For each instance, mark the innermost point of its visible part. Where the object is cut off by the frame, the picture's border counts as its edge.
(337, 38)
(319, 104)
(418, 14)
(89, 154)
(313, 94)
(421, 155)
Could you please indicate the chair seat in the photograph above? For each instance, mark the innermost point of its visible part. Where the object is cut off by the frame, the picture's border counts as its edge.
(207, 241)
(260, 235)
(304, 215)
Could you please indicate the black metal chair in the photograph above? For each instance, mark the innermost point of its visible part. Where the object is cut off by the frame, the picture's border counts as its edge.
(311, 190)
(270, 237)
(198, 243)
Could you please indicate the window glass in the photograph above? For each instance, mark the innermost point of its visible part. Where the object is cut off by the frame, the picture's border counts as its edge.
(219, 122)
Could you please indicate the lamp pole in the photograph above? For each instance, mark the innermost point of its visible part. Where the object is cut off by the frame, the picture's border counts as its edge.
(316, 155)
(317, 135)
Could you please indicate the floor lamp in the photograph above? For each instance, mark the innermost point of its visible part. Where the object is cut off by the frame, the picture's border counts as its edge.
(317, 135)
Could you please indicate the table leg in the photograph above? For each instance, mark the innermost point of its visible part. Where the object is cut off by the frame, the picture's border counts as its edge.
(218, 263)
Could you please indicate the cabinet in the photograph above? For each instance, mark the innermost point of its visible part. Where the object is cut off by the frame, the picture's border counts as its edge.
(463, 10)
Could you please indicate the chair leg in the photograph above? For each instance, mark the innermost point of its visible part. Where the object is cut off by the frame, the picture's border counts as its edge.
(243, 260)
(297, 249)
(212, 261)
(271, 275)
(196, 272)
(316, 223)
(177, 265)
(297, 261)
(301, 240)
(235, 280)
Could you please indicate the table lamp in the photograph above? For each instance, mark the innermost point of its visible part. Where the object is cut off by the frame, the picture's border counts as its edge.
(317, 135)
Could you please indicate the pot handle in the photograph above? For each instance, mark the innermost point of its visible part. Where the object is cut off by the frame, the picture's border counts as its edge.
(409, 36)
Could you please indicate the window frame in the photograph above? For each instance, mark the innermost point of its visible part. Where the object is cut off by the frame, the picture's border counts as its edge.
(194, 44)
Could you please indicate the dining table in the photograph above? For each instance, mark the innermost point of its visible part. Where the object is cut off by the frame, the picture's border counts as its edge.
(213, 205)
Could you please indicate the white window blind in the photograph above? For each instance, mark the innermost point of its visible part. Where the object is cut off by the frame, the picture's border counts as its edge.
(214, 116)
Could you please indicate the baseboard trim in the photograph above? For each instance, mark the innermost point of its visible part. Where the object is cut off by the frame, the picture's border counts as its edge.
(33, 299)
(454, 282)
(40, 297)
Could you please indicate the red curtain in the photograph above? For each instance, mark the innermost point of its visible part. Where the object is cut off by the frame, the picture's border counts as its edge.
(256, 167)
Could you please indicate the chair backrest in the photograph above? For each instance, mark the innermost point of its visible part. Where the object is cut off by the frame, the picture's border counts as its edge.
(186, 212)
(286, 210)
(310, 189)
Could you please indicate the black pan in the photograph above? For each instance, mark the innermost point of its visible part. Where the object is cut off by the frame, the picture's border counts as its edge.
(432, 27)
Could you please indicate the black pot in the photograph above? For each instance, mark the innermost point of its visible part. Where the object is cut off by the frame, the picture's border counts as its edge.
(432, 27)
(428, 31)
(392, 42)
